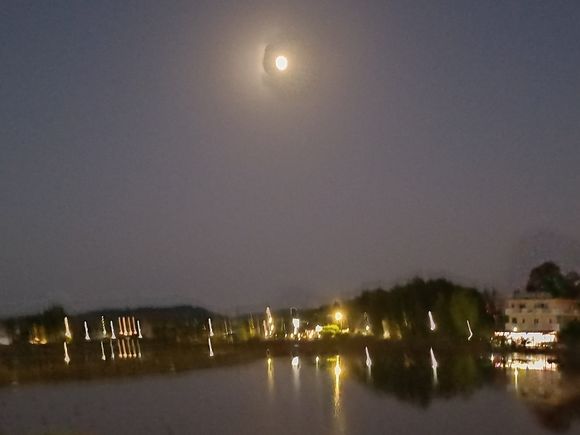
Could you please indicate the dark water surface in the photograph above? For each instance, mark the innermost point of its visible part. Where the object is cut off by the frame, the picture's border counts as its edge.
(398, 394)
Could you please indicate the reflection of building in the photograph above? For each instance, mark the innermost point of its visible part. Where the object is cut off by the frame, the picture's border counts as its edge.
(523, 361)
(536, 378)
(539, 312)
(538, 381)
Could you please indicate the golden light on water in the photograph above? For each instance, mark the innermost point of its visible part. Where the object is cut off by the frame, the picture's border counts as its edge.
(337, 372)
(337, 369)
(66, 355)
(281, 63)
(270, 375)
(434, 365)
(211, 354)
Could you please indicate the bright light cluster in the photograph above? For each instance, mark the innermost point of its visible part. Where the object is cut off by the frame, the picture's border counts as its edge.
(132, 349)
(528, 339)
(528, 362)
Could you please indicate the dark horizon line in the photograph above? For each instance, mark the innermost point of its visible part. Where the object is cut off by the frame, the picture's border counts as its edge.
(351, 295)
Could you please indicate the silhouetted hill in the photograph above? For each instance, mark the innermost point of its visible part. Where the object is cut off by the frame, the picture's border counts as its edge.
(177, 314)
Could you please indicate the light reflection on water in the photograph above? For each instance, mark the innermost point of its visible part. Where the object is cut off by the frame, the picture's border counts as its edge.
(270, 365)
(331, 394)
(337, 373)
(296, 373)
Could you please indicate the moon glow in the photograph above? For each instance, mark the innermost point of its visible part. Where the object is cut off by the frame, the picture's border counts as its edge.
(287, 64)
(281, 63)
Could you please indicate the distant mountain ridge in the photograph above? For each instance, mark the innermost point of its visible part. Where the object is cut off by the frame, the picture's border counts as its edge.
(177, 313)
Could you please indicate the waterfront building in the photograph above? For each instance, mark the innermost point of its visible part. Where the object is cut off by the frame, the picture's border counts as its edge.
(534, 319)
(539, 312)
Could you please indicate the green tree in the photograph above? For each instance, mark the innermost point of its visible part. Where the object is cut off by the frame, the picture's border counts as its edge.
(464, 306)
(548, 278)
(570, 334)
(404, 309)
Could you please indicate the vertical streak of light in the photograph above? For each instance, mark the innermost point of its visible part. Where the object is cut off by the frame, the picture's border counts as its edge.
(87, 336)
(368, 361)
(67, 332)
(432, 325)
(66, 355)
(270, 375)
(470, 336)
(336, 396)
(210, 328)
(138, 350)
(434, 366)
(296, 373)
(125, 332)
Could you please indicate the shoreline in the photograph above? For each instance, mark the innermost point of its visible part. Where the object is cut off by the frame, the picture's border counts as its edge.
(29, 364)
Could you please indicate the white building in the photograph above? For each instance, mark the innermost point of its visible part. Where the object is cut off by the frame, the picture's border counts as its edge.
(539, 312)
(534, 319)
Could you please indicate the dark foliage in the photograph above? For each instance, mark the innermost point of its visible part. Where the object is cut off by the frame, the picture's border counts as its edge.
(403, 309)
(548, 278)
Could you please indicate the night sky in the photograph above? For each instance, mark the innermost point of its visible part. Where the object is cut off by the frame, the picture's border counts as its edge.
(147, 157)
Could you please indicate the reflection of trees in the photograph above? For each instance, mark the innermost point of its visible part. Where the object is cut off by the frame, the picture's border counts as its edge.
(559, 418)
(404, 377)
(552, 395)
(409, 376)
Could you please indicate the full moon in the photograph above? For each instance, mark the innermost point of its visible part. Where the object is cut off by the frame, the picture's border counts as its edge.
(281, 63)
